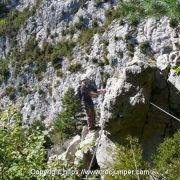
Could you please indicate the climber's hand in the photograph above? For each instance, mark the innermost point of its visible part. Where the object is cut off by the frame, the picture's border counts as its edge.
(102, 91)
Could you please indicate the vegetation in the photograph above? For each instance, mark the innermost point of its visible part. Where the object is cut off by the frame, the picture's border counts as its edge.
(15, 19)
(167, 160)
(75, 67)
(24, 148)
(65, 123)
(11, 92)
(128, 157)
(59, 73)
(4, 71)
(3, 8)
(38, 58)
(99, 2)
(105, 76)
(144, 46)
(134, 10)
(81, 24)
(177, 69)
(21, 148)
(166, 164)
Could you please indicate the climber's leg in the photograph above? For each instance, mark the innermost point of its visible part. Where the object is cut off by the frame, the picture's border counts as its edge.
(91, 118)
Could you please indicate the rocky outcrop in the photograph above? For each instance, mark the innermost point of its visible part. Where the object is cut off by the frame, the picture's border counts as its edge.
(129, 95)
(106, 152)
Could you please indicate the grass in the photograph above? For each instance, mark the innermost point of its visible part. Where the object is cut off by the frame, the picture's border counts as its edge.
(75, 67)
(11, 92)
(134, 10)
(15, 19)
(59, 73)
(4, 70)
(2, 21)
(144, 46)
(177, 69)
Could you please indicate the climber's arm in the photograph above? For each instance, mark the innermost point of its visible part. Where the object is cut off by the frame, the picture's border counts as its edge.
(93, 94)
(97, 93)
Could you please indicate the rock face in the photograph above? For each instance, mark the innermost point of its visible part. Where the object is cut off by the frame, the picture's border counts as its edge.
(127, 101)
(81, 149)
(106, 153)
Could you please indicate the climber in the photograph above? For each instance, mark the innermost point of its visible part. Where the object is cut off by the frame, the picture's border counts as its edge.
(88, 91)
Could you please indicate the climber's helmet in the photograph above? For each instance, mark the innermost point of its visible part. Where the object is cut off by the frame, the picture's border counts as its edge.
(89, 83)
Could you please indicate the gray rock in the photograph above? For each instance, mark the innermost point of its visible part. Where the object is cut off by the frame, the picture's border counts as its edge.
(106, 153)
(72, 148)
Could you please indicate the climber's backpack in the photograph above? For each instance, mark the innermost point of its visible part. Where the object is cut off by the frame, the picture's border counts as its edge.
(91, 85)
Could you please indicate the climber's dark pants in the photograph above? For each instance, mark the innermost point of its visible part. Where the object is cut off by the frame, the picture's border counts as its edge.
(90, 111)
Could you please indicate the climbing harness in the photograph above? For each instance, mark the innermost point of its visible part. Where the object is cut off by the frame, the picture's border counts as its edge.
(164, 111)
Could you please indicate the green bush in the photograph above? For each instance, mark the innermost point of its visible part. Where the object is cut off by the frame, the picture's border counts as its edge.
(21, 148)
(11, 92)
(2, 22)
(94, 60)
(80, 25)
(95, 24)
(23, 90)
(177, 69)
(173, 23)
(75, 67)
(105, 42)
(86, 36)
(144, 46)
(105, 77)
(32, 54)
(59, 73)
(98, 2)
(127, 156)
(167, 160)
(4, 70)
(130, 48)
(64, 48)
(3, 8)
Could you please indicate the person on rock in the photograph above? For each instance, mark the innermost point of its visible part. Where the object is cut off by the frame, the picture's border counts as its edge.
(89, 91)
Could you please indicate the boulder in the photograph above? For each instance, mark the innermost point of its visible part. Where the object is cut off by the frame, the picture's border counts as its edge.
(106, 153)
(174, 87)
(72, 148)
(86, 147)
(128, 96)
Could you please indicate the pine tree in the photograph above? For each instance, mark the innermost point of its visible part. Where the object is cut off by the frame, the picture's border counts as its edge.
(65, 123)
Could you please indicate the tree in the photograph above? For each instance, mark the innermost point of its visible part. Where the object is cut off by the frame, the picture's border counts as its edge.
(21, 147)
(65, 123)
